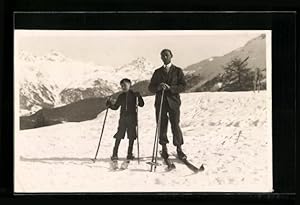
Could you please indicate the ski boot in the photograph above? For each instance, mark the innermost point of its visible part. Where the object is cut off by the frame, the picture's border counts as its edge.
(130, 157)
(114, 162)
(181, 154)
(164, 152)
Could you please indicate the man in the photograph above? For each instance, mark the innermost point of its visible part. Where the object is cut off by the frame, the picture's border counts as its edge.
(170, 78)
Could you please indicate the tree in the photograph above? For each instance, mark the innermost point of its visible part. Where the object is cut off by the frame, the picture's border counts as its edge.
(237, 76)
(257, 80)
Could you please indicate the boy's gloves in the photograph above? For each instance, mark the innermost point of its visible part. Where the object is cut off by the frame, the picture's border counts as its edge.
(108, 103)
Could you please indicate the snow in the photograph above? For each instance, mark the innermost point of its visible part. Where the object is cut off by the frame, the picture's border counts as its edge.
(227, 132)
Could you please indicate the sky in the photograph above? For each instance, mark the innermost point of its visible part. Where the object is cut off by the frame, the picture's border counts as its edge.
(116, 48)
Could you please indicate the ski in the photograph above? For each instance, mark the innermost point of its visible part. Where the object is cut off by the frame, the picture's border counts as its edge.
(191, 166)
(169, 163)
(114, 165)
(124, 164)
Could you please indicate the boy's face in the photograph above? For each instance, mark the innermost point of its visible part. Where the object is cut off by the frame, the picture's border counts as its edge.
(125, 86)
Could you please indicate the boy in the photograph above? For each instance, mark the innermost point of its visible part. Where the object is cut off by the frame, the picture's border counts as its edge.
(128, 116)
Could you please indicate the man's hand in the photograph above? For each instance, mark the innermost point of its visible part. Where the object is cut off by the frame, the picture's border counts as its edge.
(165, 86)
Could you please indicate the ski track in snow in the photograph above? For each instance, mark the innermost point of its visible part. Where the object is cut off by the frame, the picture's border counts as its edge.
(227, 132)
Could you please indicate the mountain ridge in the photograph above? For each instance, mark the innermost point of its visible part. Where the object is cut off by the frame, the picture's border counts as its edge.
(63, 86)
(209, 68)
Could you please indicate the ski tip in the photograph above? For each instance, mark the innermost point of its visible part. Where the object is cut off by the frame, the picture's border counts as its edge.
(201, 168)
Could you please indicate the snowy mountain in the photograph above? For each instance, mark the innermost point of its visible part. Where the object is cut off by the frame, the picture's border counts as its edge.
(54, 80)
(48, 81)
(52, 56)
(90, 84)
(36, 88)
(104, 82)
(206, 70)
(227, 132)
(96, 88)
(137, 70)
(35, 96)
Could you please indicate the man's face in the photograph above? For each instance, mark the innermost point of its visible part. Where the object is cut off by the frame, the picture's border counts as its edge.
(125, 86)
(166, 57)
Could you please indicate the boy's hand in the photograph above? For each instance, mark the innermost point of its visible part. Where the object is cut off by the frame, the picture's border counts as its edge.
(108, 103)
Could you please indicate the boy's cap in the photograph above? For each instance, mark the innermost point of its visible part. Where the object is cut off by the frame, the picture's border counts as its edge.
(125, 80)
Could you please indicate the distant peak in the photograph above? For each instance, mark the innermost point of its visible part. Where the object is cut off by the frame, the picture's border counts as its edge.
(140, 63)
(26, 56)
(139, 59)
(55, 52)
(55, 55)
(260, 37)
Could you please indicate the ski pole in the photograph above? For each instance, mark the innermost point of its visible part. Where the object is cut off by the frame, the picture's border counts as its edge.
(159, 127)
(155, 148)
(137, 131)
(101, 133)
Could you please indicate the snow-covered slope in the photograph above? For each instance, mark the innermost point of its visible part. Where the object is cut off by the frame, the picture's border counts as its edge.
(227, 132)
(209, 68)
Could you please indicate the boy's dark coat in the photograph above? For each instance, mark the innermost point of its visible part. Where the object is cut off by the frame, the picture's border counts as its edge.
(128, 114)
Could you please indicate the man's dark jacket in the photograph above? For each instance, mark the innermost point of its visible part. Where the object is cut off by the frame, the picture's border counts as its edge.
(175, 79)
